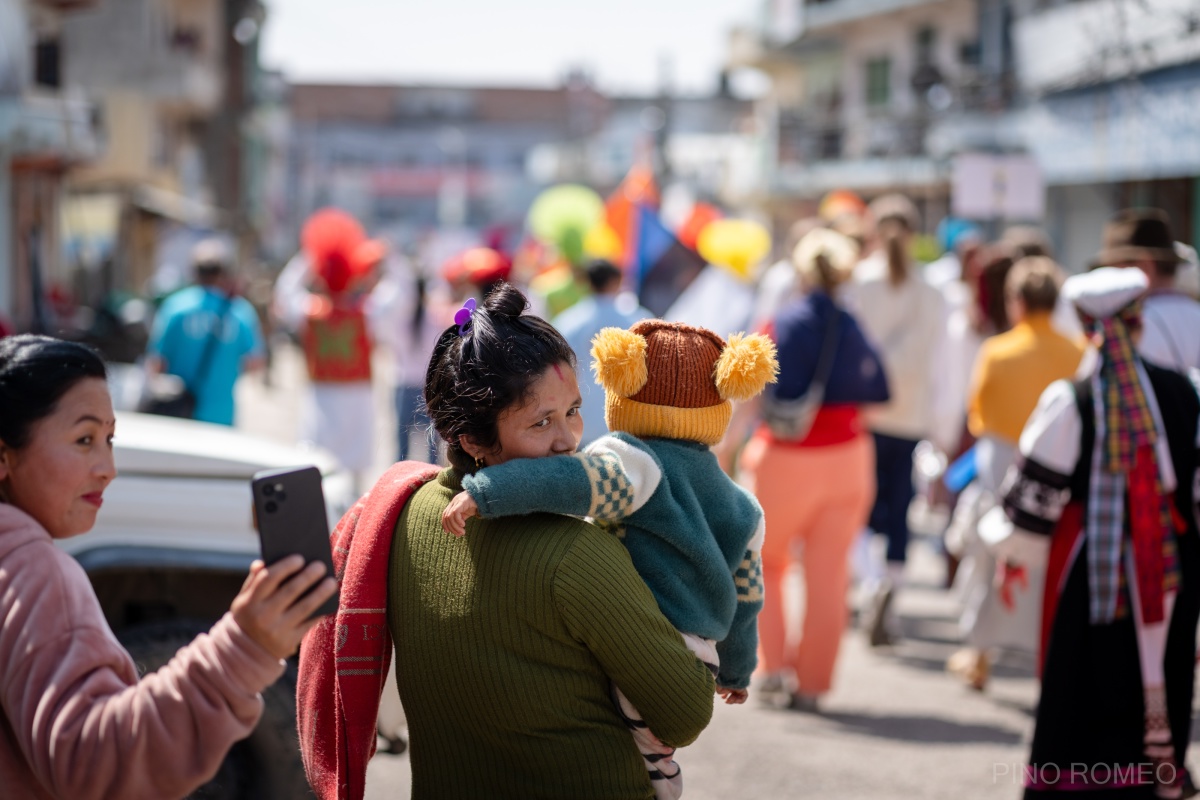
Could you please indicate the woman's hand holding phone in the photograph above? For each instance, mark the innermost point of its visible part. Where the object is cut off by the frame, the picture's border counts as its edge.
(272, 607)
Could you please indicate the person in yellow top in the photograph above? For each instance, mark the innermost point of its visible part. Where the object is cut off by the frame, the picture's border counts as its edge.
(1013, 368)
(1011, 371)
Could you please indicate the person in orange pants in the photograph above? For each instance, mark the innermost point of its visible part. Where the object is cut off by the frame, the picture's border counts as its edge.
(815, 500)
(811, 464)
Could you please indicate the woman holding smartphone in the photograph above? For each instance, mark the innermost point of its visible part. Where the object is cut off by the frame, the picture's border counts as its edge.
(77, 723)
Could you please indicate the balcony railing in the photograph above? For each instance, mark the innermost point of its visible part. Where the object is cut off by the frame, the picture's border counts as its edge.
(809, 140)
(48, 127)
(1096, 41)
(804, 140)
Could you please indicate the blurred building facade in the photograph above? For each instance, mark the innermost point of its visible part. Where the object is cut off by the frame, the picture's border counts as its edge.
(403, 158)
(174, 81)
(1111, 111)
(1084, 103)
(45, 130)
(704, 143)
(857, 86)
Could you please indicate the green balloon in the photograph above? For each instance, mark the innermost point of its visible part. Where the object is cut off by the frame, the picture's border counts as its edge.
(562, 215)
(570, 245)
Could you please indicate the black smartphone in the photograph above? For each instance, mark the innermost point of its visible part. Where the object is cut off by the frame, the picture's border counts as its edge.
(289, 513)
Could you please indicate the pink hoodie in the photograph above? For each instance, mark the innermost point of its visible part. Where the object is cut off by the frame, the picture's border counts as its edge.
(77, 723)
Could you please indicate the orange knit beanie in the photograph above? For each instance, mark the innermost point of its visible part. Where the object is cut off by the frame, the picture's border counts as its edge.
(675, 381)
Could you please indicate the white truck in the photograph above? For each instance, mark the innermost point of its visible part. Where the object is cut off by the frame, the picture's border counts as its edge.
(170, 550)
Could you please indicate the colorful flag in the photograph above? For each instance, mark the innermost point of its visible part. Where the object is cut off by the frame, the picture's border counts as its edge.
(636, 189)
(662, 266)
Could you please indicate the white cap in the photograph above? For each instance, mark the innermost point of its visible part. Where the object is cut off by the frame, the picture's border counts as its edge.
(1103, 292)
(1187, 274)
(212, 251)
(840, 251)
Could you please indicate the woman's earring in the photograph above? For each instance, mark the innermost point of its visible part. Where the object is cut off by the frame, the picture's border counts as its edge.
(478, 463)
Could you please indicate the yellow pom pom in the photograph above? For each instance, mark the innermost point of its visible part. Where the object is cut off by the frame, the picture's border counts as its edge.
(746, 365)
(619, 361)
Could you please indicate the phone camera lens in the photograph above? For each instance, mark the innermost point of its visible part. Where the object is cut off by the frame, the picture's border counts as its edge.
(268, 490)
(272, 508)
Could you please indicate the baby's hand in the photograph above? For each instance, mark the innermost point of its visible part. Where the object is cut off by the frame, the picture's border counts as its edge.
(461, 508)
(733, 697)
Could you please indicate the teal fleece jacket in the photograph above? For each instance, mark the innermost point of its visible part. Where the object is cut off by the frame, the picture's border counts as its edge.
(693, 534)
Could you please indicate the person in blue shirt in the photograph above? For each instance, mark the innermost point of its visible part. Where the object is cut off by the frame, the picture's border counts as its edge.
(608, 307)
(187, 319)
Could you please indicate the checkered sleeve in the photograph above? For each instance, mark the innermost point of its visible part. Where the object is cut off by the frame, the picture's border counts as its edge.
(738, 651)
(608, 481)
(622, 476)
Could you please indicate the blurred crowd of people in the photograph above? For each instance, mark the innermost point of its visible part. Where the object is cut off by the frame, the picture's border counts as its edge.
(925, 371)
(898, 381)
(1063, 434)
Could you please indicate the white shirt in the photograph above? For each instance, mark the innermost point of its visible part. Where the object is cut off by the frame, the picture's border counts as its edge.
(1171, 331)
(945, 270)
(290, 295)
(776, 287)
(960, 347)
(906, 324)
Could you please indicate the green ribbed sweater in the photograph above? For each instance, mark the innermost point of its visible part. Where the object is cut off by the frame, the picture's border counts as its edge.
(506, 641)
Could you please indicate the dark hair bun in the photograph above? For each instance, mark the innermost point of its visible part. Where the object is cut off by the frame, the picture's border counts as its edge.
(505, 300)
(473, 378)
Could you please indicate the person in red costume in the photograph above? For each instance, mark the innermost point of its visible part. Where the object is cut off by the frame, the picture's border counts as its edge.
(340, 413)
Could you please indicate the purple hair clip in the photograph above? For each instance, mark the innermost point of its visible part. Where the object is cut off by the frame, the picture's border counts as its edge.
(462, 317)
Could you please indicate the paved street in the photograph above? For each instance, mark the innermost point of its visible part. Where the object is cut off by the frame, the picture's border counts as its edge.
(895, 726)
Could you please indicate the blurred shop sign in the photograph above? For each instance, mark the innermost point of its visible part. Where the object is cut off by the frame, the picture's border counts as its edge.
(997, 186)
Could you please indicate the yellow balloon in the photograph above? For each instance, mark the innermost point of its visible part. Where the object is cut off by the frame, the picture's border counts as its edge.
(602, 242)
(736, 244)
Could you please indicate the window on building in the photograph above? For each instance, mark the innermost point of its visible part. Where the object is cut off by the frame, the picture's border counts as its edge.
(879, 81)
(926, 41)
(47, 63)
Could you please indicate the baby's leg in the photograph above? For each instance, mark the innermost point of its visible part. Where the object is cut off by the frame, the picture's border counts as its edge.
(665, 775)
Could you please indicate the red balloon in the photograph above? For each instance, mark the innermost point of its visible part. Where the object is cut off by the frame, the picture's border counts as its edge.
(702, 214)
(330, 239)
(479, 265)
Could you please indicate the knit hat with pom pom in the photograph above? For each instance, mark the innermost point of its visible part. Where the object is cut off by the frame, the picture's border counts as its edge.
(674, 381)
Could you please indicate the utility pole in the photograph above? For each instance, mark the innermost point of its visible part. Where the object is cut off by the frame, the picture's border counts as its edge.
(662, 135)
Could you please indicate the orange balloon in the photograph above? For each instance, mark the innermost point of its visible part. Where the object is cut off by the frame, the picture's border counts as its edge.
(839, 202)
